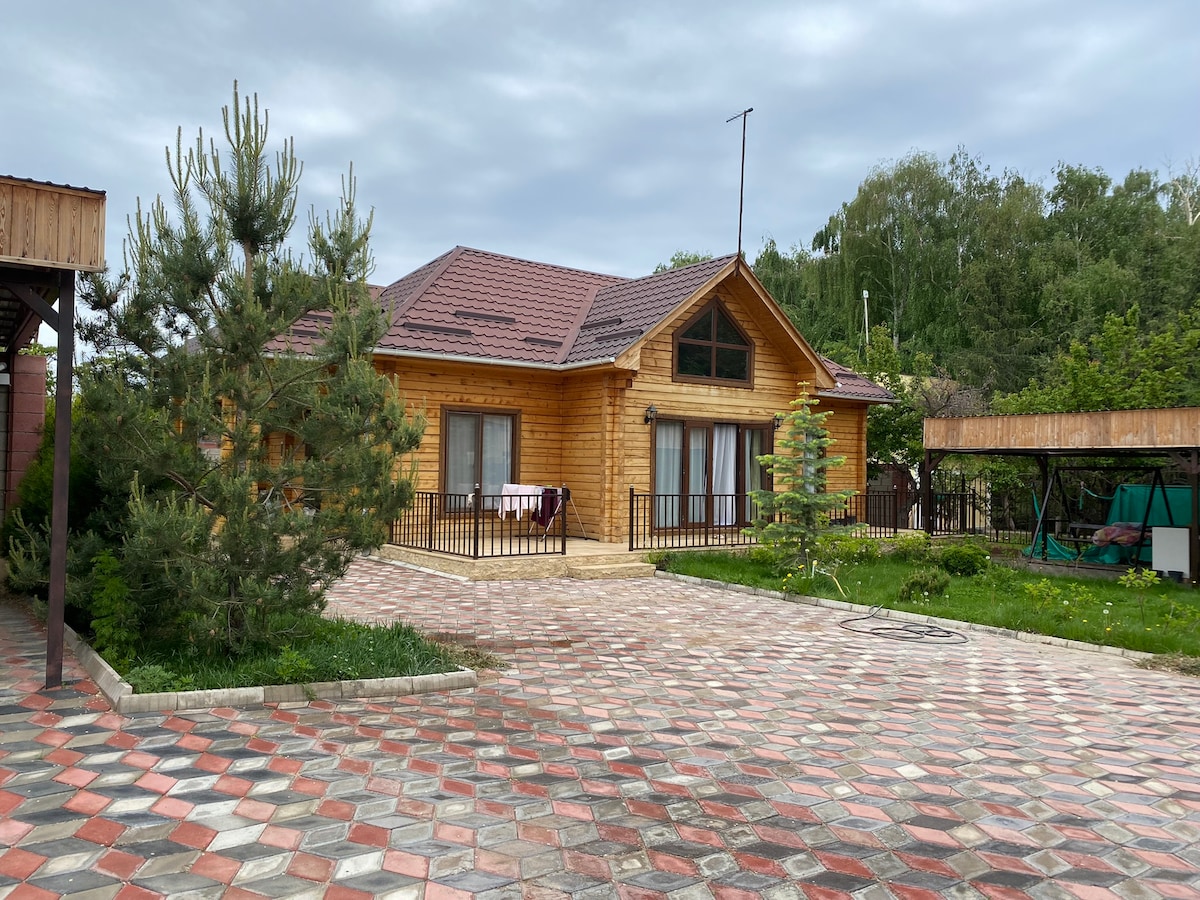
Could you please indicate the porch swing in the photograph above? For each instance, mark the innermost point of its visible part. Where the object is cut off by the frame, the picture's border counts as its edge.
(1120, 538)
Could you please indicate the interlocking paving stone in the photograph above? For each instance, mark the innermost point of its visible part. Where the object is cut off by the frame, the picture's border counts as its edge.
(648, 738)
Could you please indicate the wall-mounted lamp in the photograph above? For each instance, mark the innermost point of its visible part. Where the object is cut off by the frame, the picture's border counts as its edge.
(651, 413)
(778, 420)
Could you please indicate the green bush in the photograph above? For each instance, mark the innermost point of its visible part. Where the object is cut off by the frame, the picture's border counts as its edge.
(846, 549)
(963, 559)
(115, 616)
(293, 667)
(923, 584)
(913, 547)
(153, 678)
(763, 556)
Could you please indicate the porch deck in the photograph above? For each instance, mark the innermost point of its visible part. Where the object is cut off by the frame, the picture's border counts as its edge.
(583, 559)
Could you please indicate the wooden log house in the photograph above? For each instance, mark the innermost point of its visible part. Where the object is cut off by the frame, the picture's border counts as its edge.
(539, 374)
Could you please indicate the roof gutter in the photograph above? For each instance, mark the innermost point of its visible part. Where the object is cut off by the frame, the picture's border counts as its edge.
(485, 361)
(838, 395)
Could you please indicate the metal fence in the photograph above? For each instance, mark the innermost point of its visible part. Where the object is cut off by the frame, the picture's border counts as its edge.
(669, 521)
(479, 525)
(976, 505)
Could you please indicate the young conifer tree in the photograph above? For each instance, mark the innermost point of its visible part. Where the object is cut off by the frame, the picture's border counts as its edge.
(195, 348)
(792, 516)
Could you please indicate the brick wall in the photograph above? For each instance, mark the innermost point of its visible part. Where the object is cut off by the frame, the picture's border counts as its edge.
(26, 418)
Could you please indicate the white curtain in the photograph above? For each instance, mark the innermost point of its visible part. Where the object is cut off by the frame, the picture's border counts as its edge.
(462, 439)
(668, 473)
(497, 455)
(754, 469)
(724, 474)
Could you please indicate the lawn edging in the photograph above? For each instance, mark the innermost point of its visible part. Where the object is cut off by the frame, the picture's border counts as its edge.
(120, 696)
(899, 615)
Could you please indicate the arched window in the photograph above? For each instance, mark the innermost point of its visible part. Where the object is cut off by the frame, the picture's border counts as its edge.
(711, 348)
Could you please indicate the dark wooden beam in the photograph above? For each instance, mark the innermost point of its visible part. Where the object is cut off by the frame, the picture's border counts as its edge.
(35, 302)
(55, 624)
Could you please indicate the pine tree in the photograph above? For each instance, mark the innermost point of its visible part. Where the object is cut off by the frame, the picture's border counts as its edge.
(232, 544)
(791, 519)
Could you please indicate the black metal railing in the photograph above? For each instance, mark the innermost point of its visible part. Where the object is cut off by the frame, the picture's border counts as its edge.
(669, 521)
(480, 525)
(974, 505)
(875, 513)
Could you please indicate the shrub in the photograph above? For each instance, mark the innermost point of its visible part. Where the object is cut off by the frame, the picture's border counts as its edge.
(660, 559)
(912, 547)
(152, 678)
(923, 584)
(963, 559)
(293, 667)
(763, 556)
(115, 620)
(844, 549)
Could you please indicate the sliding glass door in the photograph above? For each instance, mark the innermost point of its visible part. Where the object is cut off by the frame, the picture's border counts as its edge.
(704, 472)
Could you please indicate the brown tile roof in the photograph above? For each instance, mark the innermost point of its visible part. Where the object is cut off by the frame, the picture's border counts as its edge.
(484, 305)
(623, 312)
(471, 304)
(850, 385)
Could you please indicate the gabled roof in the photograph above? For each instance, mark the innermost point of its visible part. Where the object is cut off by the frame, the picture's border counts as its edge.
(472, 305)
(623, 312)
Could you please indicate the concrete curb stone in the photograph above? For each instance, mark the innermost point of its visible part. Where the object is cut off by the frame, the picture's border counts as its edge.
(119, 693)
(902, 616)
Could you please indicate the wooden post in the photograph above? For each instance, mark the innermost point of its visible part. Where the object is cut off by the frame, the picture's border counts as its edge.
(1194, 525)
(927, 492)
(55, 625)
(1043, 463)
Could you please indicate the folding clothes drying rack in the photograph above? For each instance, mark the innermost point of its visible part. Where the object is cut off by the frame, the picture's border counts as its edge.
(544, 504)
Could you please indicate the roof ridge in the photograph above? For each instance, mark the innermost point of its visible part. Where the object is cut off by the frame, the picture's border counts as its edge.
(437, 267)
(544, 265)
(576, 326)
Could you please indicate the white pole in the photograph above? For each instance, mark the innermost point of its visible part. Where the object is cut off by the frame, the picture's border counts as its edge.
(866, 317)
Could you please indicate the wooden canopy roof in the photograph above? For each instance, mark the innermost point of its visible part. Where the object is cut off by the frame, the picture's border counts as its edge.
(1125, 432)
(45, 230)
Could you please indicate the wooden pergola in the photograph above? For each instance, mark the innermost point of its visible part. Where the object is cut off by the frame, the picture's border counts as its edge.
(1172, 434)
(48, 232)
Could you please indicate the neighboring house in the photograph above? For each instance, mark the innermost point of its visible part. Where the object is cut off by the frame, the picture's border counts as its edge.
(670, 384)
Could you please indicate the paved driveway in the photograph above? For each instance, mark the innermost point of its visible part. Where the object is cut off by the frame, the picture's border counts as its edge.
(652, 739)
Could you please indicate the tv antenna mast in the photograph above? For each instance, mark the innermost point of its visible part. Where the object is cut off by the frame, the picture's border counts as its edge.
(742, 186)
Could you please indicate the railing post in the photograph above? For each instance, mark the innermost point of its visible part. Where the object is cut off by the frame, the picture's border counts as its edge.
(477, 522)
(566, 501)
(632, 518)
(431, 516)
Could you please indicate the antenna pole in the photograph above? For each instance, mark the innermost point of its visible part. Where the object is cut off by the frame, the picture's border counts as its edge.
(742, 186)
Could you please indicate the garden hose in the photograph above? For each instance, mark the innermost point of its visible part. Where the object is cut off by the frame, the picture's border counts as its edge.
(904, 631)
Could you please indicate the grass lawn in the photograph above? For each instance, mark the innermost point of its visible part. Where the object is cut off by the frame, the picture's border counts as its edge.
(1162, 619)
(319, 650)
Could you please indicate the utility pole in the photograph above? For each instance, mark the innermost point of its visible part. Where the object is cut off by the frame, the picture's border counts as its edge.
(742, 187)
(866, 317)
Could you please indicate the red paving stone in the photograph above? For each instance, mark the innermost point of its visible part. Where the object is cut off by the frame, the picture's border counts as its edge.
(648, 739)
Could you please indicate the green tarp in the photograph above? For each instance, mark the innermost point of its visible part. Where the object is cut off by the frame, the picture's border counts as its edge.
(1128, 505)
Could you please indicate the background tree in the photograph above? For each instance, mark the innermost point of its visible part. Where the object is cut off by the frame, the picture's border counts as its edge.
(790, 519)
(681, 258)
(194, 346)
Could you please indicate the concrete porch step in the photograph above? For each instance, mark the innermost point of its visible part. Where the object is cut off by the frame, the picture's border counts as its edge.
(610, 570)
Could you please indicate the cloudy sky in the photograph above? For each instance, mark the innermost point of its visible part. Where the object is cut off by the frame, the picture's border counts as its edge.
(593, 134)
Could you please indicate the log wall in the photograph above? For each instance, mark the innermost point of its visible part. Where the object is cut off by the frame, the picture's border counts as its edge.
(587, 429)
